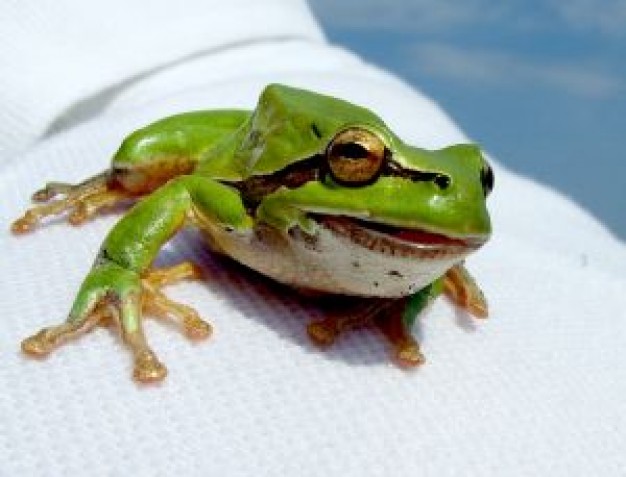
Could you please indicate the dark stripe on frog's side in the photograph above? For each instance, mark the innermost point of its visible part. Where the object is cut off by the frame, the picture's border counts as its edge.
(254, 188)
(393, 169)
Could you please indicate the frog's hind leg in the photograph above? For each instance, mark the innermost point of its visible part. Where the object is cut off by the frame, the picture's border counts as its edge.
(146, 160)
(82, 201)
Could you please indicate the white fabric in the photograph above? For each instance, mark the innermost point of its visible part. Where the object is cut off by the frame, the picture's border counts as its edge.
(538, 389)
(57, 53)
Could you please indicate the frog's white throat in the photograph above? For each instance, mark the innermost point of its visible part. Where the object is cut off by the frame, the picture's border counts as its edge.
(343, 256)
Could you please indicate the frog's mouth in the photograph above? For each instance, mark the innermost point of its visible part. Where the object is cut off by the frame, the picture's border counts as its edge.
(398, 241)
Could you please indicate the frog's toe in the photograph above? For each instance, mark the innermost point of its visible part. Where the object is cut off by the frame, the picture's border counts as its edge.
(79, 214)
(23, 225)
(156, 302)
(38, 344)
(42, 195)
(196, 328)
(405, 349)
(47, 339)
(322, 333)
(148, 369)
(82, 201)
(409, 355)
(33, 216)
(91, 205)
(50, 190)
(159, 277)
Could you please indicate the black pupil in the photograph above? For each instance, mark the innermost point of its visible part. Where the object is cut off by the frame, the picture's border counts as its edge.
(350, 150)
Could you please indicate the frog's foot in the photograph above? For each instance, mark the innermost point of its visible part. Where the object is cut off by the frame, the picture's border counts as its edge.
(83, 201)
(384, 314)
(154, 301)
(463, 290)
(112, 293)
(147, 367)
(324, 332)
(405, 349)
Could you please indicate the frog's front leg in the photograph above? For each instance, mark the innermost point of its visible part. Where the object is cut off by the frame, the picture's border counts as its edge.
(121, 280)
(463, 290)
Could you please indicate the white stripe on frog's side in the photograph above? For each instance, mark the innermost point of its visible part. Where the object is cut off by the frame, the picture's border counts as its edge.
(335, 262)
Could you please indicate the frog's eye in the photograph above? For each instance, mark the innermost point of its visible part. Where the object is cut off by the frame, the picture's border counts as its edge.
(486, 179)
(355, 157)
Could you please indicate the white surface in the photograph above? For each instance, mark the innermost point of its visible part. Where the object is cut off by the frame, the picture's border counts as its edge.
(536, 390)
(57, 54)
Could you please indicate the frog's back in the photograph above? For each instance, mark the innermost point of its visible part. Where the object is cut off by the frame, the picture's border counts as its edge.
(287, 125)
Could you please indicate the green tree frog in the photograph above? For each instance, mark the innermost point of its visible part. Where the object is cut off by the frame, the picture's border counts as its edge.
(309, 190)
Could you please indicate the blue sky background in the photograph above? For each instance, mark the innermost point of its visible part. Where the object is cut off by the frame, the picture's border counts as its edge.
(541, 84)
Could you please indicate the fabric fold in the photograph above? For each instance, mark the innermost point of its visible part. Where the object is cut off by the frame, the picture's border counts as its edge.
(59, 53)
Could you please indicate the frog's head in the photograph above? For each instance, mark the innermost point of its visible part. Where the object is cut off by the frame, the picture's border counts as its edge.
(308, 163)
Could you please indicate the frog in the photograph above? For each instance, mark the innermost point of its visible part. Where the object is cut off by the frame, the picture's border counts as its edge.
(312, 191)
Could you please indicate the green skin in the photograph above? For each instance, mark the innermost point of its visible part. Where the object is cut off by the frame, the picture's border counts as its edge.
(231, 146)
(223, 149)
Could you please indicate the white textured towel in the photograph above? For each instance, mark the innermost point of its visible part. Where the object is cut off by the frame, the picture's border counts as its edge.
(538, 389)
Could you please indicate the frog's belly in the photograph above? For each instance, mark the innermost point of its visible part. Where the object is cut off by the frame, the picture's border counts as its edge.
(333, 263)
